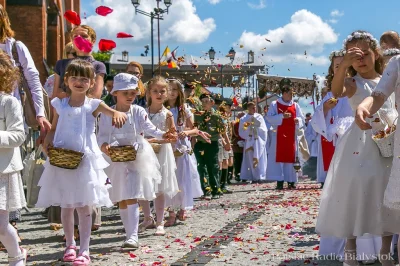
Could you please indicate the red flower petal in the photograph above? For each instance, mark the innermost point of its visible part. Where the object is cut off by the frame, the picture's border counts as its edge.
(72, 17)
(124, 35)
(106, 45)
(316, 248)
(290, 250)
(132, 255)
(103, 10)
(83, 44)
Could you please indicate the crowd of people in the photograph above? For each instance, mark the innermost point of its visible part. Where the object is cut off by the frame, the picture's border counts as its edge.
(138, 143)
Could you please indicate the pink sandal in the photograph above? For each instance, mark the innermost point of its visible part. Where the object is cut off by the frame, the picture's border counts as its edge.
(82, 260)
(69, 257)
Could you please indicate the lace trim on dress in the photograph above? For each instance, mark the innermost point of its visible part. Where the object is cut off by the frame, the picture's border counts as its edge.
(379, 94)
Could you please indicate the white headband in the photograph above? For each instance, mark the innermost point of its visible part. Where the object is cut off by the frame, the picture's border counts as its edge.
(360, 36)
(179, 83)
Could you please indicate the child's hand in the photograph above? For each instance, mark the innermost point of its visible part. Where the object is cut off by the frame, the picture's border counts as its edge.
(171, 135)
(119, 119)
(105, 148)
(205, 136)
(47, 143)
(352, 55)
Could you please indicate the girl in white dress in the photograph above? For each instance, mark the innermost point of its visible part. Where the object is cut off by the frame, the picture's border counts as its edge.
(157, 94)
(136, 179)
(186, 173)
(351, 202)
(73, 128)
(12, 136)
(389, 83)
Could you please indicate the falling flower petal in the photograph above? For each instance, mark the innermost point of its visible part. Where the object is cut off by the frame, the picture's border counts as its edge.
(72, 17)
(103, 10)
(132, 255)
(106, 45)
(83, 44)
(124, 35)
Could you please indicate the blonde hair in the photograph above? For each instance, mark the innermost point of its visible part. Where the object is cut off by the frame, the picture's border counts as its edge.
(390, 38)
(90, 30)
(68, 49)
(141, 87)
(152, 82)
(9, 74)
(5, 26)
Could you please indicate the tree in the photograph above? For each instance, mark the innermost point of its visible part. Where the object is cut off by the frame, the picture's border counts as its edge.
(102, 56)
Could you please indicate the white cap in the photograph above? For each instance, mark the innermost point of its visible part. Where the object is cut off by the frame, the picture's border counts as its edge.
(124, 82)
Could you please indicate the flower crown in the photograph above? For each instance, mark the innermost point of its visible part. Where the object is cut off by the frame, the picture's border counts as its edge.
(177, 81)
(361, 36)
(337, 54)
(391, 51)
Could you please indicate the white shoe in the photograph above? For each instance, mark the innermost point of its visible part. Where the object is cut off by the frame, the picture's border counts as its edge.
(131, 243)
(160, 230)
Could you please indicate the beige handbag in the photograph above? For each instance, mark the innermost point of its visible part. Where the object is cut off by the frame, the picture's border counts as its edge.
(33, 169)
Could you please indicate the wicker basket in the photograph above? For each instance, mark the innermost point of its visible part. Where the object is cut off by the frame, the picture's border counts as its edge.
(64, 158)
(178, 153)
(156, 147)
(125, 153)
(386, 144)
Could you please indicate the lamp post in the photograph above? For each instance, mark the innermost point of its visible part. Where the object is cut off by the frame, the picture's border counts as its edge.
(157, 13)
(231, 54)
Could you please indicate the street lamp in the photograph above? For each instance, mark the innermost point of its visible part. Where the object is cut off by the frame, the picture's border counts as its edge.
(231, 54)
(157, 13)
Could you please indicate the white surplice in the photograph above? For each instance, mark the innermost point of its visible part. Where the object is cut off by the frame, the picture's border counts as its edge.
(280, 171)
(255, 136)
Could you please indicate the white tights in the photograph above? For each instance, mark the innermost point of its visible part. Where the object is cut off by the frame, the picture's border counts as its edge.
(159, 204)
(9, 238)
(85, 226)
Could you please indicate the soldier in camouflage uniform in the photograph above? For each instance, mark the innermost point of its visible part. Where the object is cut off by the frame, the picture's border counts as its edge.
(211, 122)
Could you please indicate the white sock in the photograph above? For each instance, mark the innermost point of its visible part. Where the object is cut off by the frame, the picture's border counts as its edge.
(125, 221)
(133, 211)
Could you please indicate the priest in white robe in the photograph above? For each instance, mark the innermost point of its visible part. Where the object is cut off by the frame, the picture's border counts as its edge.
(253, 130)
(285, 117)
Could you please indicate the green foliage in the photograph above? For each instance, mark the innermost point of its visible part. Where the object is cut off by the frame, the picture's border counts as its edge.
(102, 56)
(197, 90)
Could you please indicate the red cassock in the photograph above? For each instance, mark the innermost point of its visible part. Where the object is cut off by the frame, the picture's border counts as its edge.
(286, 137)
(328, 149)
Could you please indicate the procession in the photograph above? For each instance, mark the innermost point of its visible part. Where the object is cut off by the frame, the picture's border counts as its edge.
(193, 160)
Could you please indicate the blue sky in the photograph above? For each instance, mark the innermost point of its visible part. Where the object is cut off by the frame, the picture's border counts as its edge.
(315, 26)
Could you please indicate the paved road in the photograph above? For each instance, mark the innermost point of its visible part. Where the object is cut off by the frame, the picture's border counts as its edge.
(256, 225)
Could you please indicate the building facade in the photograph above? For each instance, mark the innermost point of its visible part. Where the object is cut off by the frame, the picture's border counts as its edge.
(41, 26)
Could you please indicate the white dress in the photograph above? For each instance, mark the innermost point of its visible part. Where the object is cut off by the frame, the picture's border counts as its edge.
(255, 137)
(84, 186)
(136, 179)
(352, 199)
(169, 185)
(186, 173)
(12, 135)
(275, 170)
(390, 83)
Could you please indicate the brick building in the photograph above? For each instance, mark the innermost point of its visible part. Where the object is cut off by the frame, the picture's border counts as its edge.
(41, 26)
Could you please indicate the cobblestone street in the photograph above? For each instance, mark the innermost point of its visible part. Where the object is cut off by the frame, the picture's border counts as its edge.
(256, 225)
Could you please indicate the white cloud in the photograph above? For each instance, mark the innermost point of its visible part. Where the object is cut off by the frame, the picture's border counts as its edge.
(214, 2)
(181, 25)
(260, 5)
(337, 13)
(333, 21)
(303, 39)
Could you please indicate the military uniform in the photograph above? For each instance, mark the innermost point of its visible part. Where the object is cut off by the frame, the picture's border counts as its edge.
(207, 153)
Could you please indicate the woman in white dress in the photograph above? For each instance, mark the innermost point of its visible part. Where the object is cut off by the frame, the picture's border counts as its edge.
(389, 83)
(12, 135)
(162, 118)
(133, 180)
(351, 202)
(186, 172)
